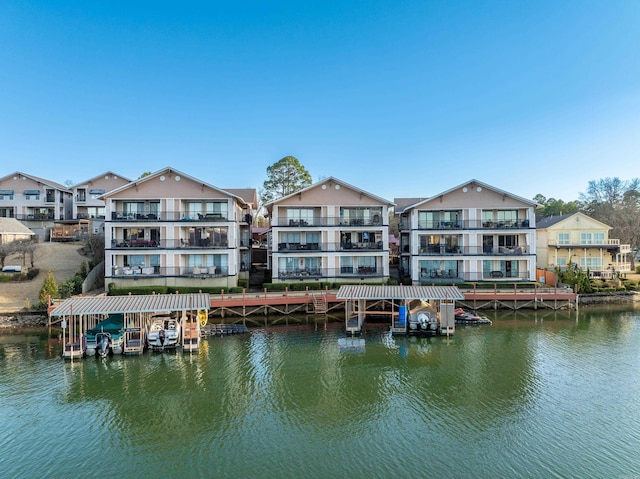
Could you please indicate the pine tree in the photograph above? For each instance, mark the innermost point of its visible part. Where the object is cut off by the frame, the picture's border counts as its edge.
(49, 289)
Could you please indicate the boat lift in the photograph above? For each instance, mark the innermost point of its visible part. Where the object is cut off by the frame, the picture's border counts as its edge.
(357, 296)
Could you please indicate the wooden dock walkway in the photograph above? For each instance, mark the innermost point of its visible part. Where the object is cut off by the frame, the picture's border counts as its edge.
(322, 302)
(280, 303)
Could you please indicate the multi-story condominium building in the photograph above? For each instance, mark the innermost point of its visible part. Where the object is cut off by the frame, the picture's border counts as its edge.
(34, 201)
(472, 232)
(171, 229)
(87, 201)
(581, 241)
(329, 231)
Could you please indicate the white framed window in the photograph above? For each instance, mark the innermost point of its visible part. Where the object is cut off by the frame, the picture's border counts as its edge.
(563, 238)
(585, 238)
(591, 263)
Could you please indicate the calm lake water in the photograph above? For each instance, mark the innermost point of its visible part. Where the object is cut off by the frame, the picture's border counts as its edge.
(536, 395)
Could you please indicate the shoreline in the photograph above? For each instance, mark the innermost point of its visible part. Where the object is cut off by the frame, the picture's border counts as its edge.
(11, 320)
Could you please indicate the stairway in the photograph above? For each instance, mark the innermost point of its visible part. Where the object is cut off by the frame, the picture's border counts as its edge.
(319, 303)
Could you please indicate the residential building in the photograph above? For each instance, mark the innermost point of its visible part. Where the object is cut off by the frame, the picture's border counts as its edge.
(581, 241)
(329, 231)
(472, 232)
(87, 198)
(172, 229)
(34, 201)
(12, 230)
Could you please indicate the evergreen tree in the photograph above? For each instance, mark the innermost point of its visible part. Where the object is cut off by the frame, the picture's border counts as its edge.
(49, 289)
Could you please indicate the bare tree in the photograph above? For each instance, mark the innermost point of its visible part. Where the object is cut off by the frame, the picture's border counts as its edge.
(617, 203)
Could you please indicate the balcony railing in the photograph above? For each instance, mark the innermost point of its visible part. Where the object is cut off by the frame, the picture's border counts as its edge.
(376, 220)
(168, 216)
(438, 275)
(140, 272)
(437, 250)
(611, 244)
(36, 217)
(345, 272)
(329, 246)
(470, 224)
(168, 244)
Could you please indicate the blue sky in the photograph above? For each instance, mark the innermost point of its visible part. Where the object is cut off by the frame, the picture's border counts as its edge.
(401, 98)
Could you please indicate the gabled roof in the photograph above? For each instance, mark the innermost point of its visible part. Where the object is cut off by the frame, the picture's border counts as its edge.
(166, 171)
(44, 181)
(553, 220)
(364, 291)
(249, 195)
(403, 203)
(475, 183)
(110, 173)
(13, 226)
(337, 181)
(150, 303)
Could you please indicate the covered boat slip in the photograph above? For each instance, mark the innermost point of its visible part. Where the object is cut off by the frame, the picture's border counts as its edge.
(360, 299)
(81, 314)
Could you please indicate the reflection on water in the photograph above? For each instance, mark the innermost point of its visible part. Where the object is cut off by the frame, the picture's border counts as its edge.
(537, 394)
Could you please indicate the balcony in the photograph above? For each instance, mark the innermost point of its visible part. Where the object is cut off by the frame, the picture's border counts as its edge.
(319, 221)
(445, 250)
(437, 275)
(141, 272)
(610, 244)
(470, 225)
(361, 272)
(329, 246)
(168, 216)
(168, 244)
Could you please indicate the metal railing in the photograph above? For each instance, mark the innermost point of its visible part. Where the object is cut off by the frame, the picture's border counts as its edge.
(141, 272)
(344, 272)
(169, 216)
(167, 244)
(317, 221)
(435, 275)
(439, 250)
(329, 246)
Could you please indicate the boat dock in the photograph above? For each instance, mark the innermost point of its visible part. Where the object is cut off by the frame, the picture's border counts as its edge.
(278, 303)
(364, 300)
(520, 298)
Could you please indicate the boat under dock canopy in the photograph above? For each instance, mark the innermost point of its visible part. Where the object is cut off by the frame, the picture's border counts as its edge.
(83, 313)
(356, 297)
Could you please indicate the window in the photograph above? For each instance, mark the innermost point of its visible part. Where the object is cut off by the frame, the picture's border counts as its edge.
(82, 194)
(585, 238)
(6, 212)
(288, 265)
(591, 263)
(428, 219)
(217, 208)
(95, 211)
(561, 262)
(6, 194)
(300, 216)
(346, 265)
(598, 238)
(563, 238)
(508, 216)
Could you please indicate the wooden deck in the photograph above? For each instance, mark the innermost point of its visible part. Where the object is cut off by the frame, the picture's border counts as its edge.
(537, 298)
(306, 302)
(281, 303)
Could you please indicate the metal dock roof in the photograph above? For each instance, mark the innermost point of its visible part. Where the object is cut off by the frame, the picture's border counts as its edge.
(132, 304)
(363, 291)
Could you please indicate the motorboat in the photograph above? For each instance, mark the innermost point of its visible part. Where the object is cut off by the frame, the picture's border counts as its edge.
(163, 332)
(469, 317)
(423, 318)
(107, 337)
